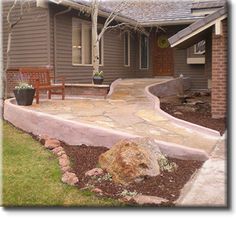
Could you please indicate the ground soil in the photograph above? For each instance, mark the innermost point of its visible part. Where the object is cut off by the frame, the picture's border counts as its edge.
(166, 185)
(195, 107)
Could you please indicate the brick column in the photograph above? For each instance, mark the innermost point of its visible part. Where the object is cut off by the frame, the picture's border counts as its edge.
(219, 73)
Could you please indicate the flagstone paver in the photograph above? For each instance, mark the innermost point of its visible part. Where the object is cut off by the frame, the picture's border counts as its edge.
(128, 109)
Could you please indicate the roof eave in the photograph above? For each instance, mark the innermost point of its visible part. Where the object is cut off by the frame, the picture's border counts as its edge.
(169, 22)
(174, 43)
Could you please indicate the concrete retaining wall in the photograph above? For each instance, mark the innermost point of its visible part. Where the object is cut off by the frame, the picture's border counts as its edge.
(172, 87)
(90, 90)
(76, 133)
(157, 89)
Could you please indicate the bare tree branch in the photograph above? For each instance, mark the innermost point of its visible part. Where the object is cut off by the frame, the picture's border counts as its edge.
(109, 24)
(11, 25)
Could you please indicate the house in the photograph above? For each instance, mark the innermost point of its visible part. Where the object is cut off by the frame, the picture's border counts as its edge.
(214, 30)
(57, 34)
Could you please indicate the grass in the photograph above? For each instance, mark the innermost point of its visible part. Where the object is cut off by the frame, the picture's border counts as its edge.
(31, 176)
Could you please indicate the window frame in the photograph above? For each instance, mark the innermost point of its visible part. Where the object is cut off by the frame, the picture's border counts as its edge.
(140, 54)
(195, 49)
(129, 48)
(86, 23)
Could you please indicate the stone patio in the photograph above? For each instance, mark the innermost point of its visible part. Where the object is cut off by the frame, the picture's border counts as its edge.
(129, 110)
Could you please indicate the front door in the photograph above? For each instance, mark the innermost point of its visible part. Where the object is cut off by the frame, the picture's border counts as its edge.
(163, 63)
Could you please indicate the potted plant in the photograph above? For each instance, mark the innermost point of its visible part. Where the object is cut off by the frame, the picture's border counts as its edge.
(24, 93)
(98, 77)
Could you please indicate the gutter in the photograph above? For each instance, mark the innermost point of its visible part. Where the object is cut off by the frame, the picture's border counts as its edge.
(54, 38)
(170, 22)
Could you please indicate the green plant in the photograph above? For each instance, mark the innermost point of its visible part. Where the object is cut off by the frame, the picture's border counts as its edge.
(23, 86)
(128, 193)
(99, 74)
(105, 177)
(165, 165)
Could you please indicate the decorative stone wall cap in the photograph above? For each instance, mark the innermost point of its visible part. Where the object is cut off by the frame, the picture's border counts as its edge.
(88, 85)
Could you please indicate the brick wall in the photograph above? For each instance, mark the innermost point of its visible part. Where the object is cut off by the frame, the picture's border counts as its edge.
(219, 73)
(12, 81)
(88, 90)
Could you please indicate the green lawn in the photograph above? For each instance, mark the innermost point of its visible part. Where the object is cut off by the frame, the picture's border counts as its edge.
(31, 176)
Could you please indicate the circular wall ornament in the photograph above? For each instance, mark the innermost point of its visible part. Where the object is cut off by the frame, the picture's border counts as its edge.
(163, 41)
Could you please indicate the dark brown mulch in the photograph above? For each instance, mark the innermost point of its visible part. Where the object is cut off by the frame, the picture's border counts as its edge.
(166, 185)
(200, 114)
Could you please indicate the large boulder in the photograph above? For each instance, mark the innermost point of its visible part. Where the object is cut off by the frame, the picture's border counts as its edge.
(131, 160)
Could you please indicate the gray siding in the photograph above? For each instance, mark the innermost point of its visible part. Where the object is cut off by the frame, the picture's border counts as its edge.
(29, 39)
(113, 65)
(33, 45)
(195, 72)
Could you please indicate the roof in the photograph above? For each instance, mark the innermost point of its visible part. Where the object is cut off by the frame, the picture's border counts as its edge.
(208, 4)
(197, 26)
(155, 11)
(152, 12)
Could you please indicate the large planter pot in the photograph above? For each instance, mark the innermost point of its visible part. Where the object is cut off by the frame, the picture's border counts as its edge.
(24, 96)
(97, 80)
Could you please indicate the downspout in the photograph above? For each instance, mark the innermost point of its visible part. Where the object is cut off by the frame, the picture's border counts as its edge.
(54, 38)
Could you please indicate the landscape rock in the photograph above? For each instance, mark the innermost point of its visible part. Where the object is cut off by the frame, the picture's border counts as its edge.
(65, 169)
(131, 160)
(69, 178)
(205, 93)
(42, 138)
(94, 172)
(64, 161)
(51, 143)
(186, 108)
(97, 190)
(58, 151)
(178, 113)
(147, 199)
(126, 198)
(195, 102)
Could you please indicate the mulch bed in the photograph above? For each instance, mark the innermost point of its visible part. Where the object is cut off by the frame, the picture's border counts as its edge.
(199, 113)
(166, 185)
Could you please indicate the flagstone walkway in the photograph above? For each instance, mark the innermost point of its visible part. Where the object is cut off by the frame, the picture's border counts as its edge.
(128, 109)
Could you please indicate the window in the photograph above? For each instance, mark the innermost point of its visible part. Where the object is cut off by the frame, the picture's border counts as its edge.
(127, 49)
(144, 51)
(199, 48)
(82, 43)
(196, 53)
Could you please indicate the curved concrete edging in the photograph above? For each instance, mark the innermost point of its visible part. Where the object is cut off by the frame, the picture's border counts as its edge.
(156, 102)
(76, 133)
(112, 87)
(68, 131)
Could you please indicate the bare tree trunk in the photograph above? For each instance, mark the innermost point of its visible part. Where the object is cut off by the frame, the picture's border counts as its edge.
(11, 25)
(95, 41)
(4, 91)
